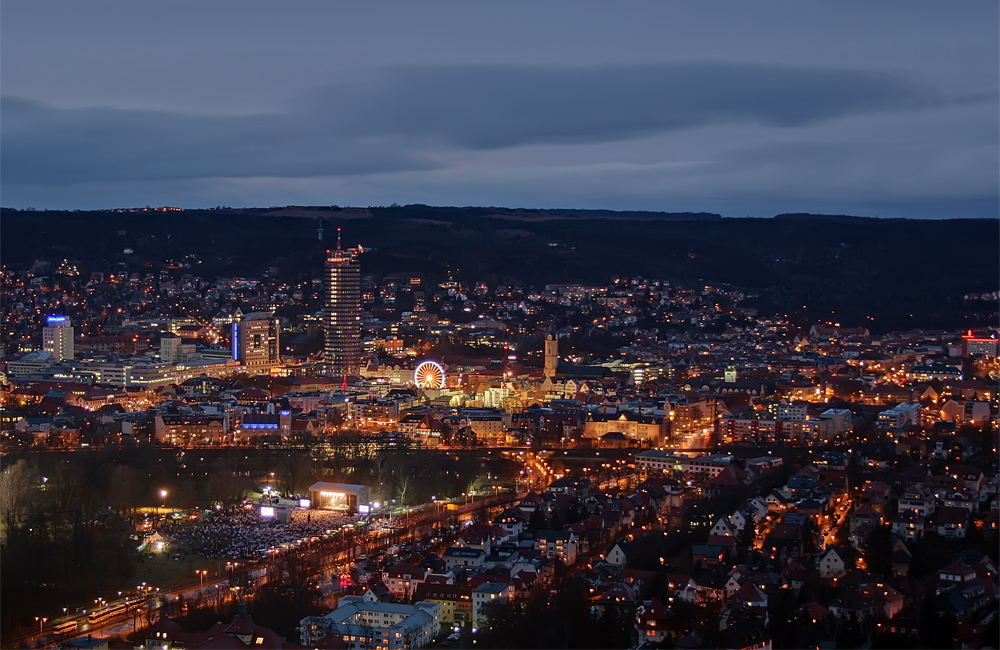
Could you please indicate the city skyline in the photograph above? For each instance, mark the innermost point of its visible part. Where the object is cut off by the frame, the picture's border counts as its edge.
(657, 325)
(887, 110)
(647, 455)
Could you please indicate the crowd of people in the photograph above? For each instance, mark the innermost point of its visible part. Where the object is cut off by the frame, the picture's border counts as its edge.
(243, 534)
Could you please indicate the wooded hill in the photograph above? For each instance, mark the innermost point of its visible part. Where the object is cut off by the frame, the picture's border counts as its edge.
(854, 266)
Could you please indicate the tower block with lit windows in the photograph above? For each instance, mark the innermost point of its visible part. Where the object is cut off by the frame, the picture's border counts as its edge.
(57, 338)
(256, 340)
(342, 348)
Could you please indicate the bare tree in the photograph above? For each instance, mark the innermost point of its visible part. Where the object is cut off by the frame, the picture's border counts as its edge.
(123, 487)
(67, 485)
(403, 489)
(475, 484)
(380, 461)
(18, 484)
(292, 471)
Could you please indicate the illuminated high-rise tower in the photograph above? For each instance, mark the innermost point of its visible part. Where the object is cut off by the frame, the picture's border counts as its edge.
(343, 311)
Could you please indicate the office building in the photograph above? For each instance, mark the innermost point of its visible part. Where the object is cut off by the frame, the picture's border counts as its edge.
(980, 346)
(57, 338)
(342, 348)
(170, 348)
(255, 340)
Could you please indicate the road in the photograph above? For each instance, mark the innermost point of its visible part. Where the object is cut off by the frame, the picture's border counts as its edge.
(321, 557)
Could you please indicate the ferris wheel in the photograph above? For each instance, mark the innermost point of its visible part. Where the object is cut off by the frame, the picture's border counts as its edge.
(429, 374)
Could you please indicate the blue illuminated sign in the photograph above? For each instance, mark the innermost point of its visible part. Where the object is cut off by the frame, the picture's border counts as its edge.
(284, 413)
(236, 338)
(56, 320)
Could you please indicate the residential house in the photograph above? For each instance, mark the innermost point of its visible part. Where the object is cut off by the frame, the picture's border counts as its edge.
(654, 622)
(864, 515)
(404, 578)
(620, 552)
(918, 499)
(489, 593)
(909, 525)
(853, 605)
(952, 521)
(746, 635)
(711, 586)
(706, 556)
(618, 595)
(511, 522)
(458, 557)
(885, 596)
(831, 564)
(557, 544)
(724, 527)
(681, 587)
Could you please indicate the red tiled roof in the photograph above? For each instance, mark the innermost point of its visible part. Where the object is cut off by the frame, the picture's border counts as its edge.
(655, 611)
(619, 593)
(241, 625)
(405, 569)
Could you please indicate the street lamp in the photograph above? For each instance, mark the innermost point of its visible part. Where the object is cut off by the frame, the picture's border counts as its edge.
(163, 497)
(201, 575)
(41, 623)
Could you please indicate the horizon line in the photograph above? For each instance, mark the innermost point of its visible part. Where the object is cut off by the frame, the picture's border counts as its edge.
(624, 213)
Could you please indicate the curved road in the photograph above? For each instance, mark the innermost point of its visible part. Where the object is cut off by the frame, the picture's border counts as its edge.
(320, 556)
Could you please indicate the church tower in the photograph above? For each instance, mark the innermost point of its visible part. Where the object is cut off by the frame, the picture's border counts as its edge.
(551, 356)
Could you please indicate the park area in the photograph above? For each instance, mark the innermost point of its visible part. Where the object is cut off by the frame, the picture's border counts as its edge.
(73, 522)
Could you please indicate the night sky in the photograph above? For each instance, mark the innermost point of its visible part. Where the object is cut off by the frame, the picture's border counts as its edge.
(879, 109)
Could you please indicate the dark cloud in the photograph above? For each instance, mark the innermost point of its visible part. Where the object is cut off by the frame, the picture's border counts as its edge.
(47, 146)
(387, 123)
(489, 106)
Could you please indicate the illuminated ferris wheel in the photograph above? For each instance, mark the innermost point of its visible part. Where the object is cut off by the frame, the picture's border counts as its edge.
(429, 374)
